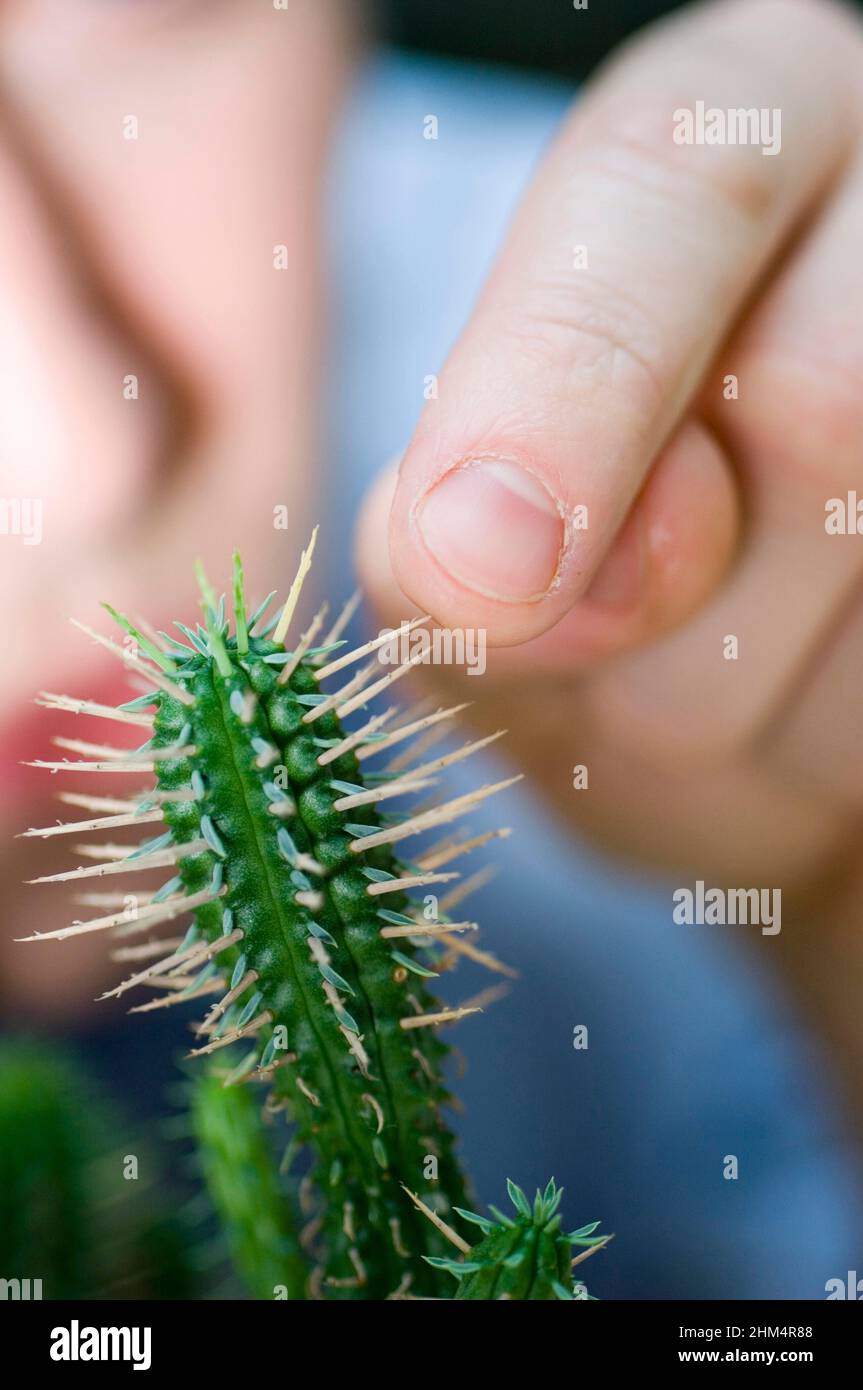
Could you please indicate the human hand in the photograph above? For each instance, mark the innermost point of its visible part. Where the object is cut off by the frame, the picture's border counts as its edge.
(606, 388)
(672, 340)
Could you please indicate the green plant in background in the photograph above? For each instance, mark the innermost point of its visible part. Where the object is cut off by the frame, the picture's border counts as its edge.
(70, 1217)
(277, 834)
(254, 1210)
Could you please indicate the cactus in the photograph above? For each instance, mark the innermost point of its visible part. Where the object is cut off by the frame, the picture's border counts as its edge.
(253, 1211)
(275, 834)
(50, 1137)
(526, 1257)
(68, 1218)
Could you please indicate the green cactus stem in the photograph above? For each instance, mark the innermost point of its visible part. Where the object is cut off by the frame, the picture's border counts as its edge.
(267, 823)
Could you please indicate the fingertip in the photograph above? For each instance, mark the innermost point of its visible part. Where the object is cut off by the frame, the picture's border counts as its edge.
(483, 545)
(668, 556)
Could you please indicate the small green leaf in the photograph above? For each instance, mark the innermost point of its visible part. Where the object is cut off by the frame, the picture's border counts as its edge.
(261, 609)
(484, 1224)
(335, 979)
(155, 653)
(141, 701)
(200, 647)
(456, 1267)
(321, 933)
(286, 845)
(212, 837)
(518, 1199)
(395, 919)
(208, 971)
(242, 1068)
(552, 1205)
(168, 889)
(240, 606)
(584, 1230)
(250, 1010)
(401, 959)
(214, 625)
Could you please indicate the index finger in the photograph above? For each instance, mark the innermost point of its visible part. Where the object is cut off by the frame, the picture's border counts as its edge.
(625, 267)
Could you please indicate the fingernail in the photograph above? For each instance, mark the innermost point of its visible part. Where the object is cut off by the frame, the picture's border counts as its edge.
(495, 528)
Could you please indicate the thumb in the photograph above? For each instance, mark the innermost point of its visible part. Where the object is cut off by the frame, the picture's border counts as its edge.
(666, 559)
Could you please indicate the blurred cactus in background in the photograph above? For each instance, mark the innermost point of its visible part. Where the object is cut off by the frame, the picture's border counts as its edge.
(77, 1212)
(252, 1201)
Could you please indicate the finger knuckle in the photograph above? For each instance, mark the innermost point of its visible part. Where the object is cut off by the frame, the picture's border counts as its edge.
(596, 338)
(638, 149)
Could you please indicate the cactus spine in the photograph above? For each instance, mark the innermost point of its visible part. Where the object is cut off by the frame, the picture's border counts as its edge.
(281, 843)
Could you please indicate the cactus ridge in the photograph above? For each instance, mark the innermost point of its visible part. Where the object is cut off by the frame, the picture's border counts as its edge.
(314, 959)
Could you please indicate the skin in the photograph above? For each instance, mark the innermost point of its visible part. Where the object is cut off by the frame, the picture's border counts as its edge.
(152, 257)
(603, 385)
(706, 514)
